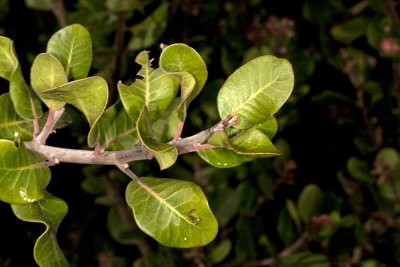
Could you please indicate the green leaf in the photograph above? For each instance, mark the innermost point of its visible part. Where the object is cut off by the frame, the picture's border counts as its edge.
(23, 174)
(47, 72)
(22, 97)
(256, 90)
(42, 5)
(222, 157)
(359, 170)
(156, 90)
(49, 211)
(252, 142)
(72, 46)
(114, 129)
(309, 202)
(350, 30)
(147, 32)
(269, 127)
(184, 62)
(8, 59)
(126, 5)
(220, 251)
(89, 95)
(174, 212)
(165, 154)
(165, 127)
(11, 123)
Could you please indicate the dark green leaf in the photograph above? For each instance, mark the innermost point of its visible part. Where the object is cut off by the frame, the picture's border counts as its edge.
(309, 202)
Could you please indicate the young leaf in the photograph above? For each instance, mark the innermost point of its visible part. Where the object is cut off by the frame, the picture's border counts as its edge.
(114, 129)
(23, 174)
(50, 211)
(72, 46)
(256, 90)
(156, 90)
(184, 62)
(23, 99)
(165, 154)
(173, 212)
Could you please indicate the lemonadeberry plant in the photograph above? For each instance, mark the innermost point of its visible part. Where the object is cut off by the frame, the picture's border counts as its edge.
(145, 123)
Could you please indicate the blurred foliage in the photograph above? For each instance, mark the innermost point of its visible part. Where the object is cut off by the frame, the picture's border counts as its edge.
(332, 197)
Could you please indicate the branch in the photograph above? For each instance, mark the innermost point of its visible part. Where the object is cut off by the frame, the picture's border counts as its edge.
(119, 158)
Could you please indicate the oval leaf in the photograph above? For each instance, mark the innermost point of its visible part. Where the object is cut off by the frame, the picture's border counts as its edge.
(309, 202)
(23, 174)
(174, 212)
(47, 72)
(256, 90)
(50, 211)
(72, 46)
(184, 62)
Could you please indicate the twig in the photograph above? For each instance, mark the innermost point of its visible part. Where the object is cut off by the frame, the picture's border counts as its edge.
(58, 10)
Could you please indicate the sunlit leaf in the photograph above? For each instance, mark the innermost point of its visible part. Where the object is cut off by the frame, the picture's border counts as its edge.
(49, 211)
(23, 174)
(114, 130)
(165, 154)
(165, 127)
(155, 90)
(184, 62)
(89, 95)
(72, 46)
(256, 90)
(47, 72)
(11, 124)
(8, 59)
(174, 212)
(22, 97)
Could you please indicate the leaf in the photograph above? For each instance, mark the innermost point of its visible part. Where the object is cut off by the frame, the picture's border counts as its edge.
(156, 90)
(72, 46)
(49, 211)
(309, 202)
(47, 73)
(256, 90)
(23, 174)
(223, 157)
(350, 30)
(165, 127)
(11, 123)
(89, 95)
(184, 62)
(114, 129)
(8, 59)
(41, 5)
(23, 99)
(269, 127)
(147, 32)
(174, 212)
(165, 154)
(252, 142)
